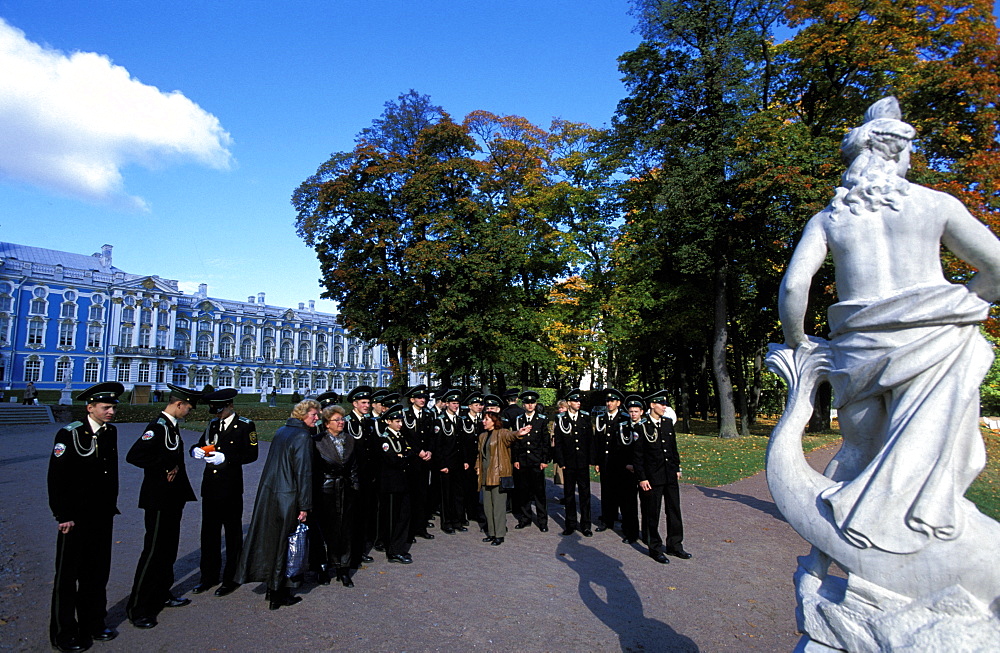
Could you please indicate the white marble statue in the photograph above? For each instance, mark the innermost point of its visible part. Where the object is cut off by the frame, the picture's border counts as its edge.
(905, 359)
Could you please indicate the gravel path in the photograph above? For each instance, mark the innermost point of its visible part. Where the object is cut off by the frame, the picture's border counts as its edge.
(537, 592)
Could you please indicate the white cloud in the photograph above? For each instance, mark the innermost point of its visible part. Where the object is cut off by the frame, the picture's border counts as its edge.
(69, 123)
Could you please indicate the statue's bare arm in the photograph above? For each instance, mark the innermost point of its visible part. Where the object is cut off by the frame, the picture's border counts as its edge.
(793, 296)
(973, 242)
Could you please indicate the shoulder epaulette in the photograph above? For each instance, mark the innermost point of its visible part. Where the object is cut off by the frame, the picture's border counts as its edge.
(583, 412)
(72, 426)
(245, 420)
(162, 421)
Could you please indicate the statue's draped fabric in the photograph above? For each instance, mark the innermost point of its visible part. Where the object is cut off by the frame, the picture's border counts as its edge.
(919, 352)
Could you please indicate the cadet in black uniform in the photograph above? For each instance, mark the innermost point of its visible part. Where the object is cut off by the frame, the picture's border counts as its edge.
(83, 496)
(657, 466)
(359, 425)
(450, 463)
(511, 410)
(234, 443)
(606, 430)
(165, 489)
(621, 459)
(472, 426)
(418, 429)
(574, 452)
(396, 456)
(531, 457)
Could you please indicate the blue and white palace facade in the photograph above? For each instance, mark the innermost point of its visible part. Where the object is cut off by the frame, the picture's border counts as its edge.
(72, 320)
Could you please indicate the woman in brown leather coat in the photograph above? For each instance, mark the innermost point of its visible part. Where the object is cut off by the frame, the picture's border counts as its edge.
(492, 464)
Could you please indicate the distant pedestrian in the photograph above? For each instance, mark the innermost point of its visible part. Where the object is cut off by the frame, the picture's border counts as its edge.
(29, 395)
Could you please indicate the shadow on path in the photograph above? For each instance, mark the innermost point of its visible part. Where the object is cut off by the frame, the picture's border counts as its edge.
(766, 507)
(621, 610)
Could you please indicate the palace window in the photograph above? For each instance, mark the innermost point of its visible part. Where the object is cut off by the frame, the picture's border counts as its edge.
(227, 348)
(144, 372)
(163, 319)
(352, 357)
(286, 381)
(247, 348)
(161, 339)
(267, 380)
(338, 383)
(146, 316)
(204, 345)
(226, 378)
(304, 352)
(64, 370)
(36, 332)
(124, 372)
(180, 376)
(128, 314)
(96, 312)
(228, 327)
(321, 354)
(66, 332)
(366, 358)
(125, 337)
(68, 311)
(286, 350)
(338, 356)
(4, 329)
(321, 382)
(202, 378)
(268, 332)
(268, 350)
(248, 330)
(303, 381)
(246, 379)
(181, 342)
(144, 336)
(91, 371)
(94, 334)
(32, 371)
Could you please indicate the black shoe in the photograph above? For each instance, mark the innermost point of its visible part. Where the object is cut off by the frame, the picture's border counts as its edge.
(144, 622)
(408, 557)
(544, 529)
(430, 524)
(497, 542)
(678, 552)
(365, 558)
(226, 589)
(521, 525)
(323, 578)
(659, 557)
(449, 531)
(488, 538)
(629, 540)
(568, 531)
(587, 532)
(174, 602)
(279, 600)
(344, 576)
(73, 645)
(601, 528)
(104, 635)
(401, 559)
(426, 536)
(465, 522)
(378, 547)
(204, 587)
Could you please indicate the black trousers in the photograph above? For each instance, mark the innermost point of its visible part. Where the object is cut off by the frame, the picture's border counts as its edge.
(619, 492)
(577, 480)
(79, 591)
(452, 490)
(418, 478)
(154, 575)
(529, 490)
(669, 496)
(395, 521)
(337, 522)
(218, 514)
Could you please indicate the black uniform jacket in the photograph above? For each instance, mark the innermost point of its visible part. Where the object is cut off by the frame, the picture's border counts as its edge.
(533, 449)
(158, 450)
(83, 472)
(654, 456)
(470, 429)
(395, 455)
(239, 445)
(449, 446)
(419, 431)
(606, 432)
(574, 441)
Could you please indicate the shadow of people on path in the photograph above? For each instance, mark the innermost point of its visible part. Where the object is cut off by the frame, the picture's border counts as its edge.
(766, 507)
(621, 609)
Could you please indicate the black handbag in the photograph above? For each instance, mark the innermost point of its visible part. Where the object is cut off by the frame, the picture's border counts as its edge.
(506, 483)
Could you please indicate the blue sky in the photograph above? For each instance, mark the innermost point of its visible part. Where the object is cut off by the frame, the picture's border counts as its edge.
(181, 138)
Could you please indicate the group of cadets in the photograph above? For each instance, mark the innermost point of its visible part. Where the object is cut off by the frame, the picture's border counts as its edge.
(414, 462)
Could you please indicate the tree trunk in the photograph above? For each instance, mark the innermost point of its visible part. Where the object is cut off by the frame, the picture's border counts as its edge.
(723, 383)
(684, 425)
(820, 420)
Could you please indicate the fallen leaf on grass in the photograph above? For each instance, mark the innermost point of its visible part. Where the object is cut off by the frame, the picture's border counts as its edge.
(729, 541)
(549, 585)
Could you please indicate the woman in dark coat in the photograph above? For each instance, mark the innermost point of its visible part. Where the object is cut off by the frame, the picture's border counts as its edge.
(284, 498)
(336, 488)
(492, 464)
